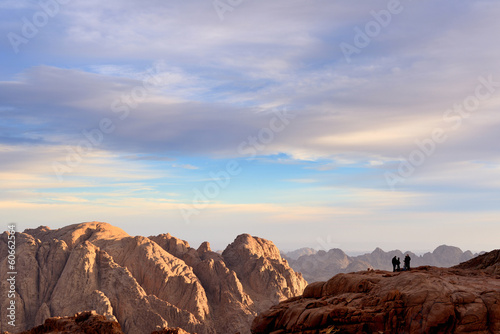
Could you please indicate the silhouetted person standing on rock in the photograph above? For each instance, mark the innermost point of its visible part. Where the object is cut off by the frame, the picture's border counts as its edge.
(394, 263)
(398, 264)
(407, 262)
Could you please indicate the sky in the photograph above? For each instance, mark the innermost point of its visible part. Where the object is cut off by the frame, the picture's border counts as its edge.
(323, 124)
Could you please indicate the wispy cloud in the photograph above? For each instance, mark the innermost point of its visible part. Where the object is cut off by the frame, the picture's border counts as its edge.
(302, 180)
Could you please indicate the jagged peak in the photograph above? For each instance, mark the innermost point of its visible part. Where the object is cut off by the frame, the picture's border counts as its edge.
(378, 250)
(204, 247)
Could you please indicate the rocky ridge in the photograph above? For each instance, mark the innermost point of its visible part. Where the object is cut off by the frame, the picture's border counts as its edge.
(489, 263)
(464, 299)
(145, 284)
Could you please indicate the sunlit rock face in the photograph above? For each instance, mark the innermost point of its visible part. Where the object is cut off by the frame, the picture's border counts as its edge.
(145, 284)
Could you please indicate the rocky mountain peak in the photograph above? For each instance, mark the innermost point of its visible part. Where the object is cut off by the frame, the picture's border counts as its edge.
(246, 246)
(273, 282)
(204, 247)
(447, 252)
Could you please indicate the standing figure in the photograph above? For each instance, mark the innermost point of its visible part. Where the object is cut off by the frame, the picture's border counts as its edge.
(407, 262)
(394, 263)
(398, 265)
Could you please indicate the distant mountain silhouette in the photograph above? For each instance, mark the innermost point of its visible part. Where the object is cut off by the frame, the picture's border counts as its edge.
(294, 255)
(321, 265)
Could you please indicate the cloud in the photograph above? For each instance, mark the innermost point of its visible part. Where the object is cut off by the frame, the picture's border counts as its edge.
(302, 180)
(146, 158)
(214, 85)
(69, 105)
(185, 166)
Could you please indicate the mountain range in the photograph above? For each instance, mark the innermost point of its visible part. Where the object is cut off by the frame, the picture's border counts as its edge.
(459, 300)
(95, 278)
(144, 284)
(321, 265)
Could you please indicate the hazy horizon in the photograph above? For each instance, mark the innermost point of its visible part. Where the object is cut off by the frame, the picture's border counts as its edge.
(308, 123)
(319, 245)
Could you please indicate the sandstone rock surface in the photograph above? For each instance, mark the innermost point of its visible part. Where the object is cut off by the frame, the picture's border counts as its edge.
(145, 284)
(88, 322)
(171, 331)
(423, 300)
(81, 323)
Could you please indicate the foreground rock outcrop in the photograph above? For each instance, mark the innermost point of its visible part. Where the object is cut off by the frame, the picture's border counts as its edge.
(145, 284)
(88, 322)
(84, 322)
(423, 300)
